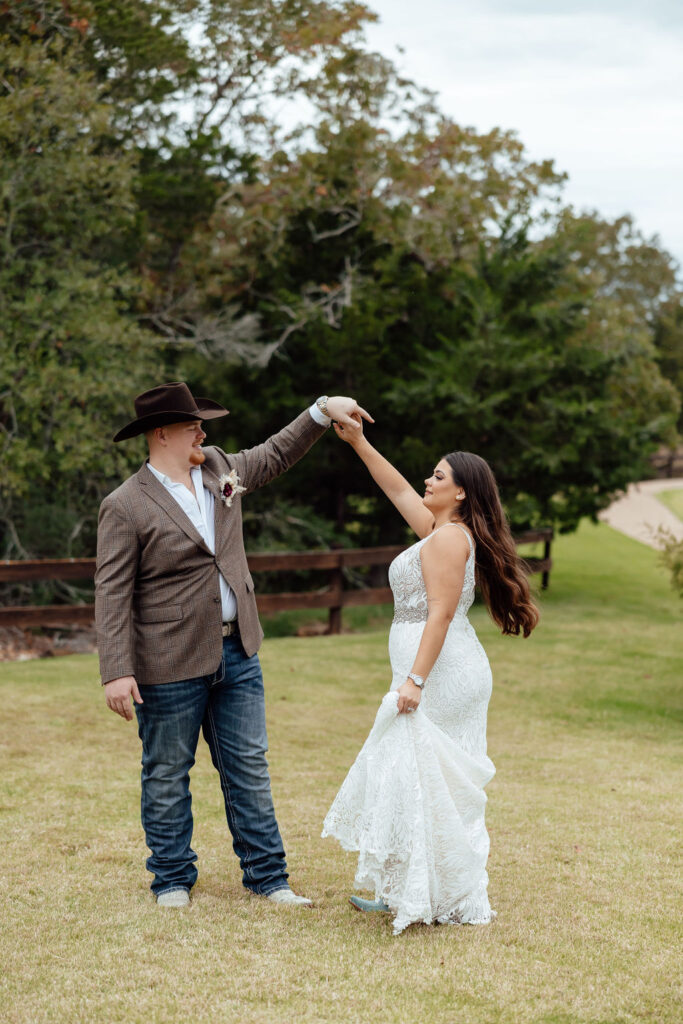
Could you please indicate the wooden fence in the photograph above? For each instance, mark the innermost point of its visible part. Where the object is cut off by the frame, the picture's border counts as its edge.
(668, 462)
(334, 597)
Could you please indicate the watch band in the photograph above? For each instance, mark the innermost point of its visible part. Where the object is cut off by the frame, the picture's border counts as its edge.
(418, 680)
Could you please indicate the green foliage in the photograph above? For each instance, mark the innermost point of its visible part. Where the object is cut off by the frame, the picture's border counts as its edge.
(167, 210)
(634, 304)
(497, 353)
(672, 558)
(508, 369)
(70, 347)
(668, 341)
(335, 274)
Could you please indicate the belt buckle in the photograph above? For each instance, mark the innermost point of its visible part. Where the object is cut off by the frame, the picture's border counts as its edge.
(229, 628)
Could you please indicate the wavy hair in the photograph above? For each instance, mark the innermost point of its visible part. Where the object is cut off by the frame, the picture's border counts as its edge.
(499, 569)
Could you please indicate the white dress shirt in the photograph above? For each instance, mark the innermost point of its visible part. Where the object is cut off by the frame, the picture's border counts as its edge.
(199, 509)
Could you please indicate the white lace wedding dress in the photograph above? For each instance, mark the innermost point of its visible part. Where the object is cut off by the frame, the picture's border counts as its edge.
(413, 802)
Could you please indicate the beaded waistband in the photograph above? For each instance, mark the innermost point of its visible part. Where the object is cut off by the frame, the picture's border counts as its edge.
(410, 614)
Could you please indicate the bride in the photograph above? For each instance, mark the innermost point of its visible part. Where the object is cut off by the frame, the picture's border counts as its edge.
(413, 802)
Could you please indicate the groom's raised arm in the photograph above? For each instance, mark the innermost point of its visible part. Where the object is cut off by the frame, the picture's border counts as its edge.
(117, 564)
(259, 465)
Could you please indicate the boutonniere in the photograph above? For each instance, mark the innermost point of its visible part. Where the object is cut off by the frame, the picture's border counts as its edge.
(230, 485)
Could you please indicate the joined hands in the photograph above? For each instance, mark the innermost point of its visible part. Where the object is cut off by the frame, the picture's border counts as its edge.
(351, 430)
(346, 412)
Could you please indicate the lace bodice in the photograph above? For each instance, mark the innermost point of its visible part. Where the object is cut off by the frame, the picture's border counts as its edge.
(408, 586)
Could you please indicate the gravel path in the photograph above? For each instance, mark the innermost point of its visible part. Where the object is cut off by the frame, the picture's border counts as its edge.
(638, 514)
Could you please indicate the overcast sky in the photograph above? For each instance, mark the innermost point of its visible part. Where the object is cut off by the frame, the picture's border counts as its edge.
(596, 85)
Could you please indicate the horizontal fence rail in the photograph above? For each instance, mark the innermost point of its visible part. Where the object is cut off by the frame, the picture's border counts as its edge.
(334, 597)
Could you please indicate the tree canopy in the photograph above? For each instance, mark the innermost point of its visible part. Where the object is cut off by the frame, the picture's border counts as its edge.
(242, 195)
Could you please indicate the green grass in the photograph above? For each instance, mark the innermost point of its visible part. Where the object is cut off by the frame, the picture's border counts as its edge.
(584, 730)
(673, 500)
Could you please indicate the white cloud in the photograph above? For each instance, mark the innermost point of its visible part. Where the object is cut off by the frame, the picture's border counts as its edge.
(596, 86)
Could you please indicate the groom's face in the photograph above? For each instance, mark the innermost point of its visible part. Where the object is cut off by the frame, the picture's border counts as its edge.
(184, 440)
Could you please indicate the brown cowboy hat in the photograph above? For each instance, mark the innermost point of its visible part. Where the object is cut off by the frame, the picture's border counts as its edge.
(169, 403)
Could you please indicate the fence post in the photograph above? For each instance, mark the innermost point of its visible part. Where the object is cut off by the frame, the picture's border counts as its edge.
(545, 578)
(336, 583)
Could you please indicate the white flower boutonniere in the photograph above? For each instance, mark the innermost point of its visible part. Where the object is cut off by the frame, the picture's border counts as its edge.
(230, 485)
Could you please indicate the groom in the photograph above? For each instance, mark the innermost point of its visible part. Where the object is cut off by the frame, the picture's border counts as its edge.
(178, 628)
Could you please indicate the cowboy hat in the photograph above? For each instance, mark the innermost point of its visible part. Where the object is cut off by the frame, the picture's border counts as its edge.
(168, 403)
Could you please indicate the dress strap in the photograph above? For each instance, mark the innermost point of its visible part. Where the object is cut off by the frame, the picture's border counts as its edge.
(467, 534)
(464, 530)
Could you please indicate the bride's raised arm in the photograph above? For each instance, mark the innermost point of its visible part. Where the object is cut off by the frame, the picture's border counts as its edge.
(395, 486)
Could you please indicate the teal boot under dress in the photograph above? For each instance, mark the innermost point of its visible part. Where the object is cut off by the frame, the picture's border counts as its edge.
(360, 904)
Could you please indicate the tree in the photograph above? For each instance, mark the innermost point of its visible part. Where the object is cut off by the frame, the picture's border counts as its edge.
(517, 377)
(71, 350)
(668, 342)
(636, 308)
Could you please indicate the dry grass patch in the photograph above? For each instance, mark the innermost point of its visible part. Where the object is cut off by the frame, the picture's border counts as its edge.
(582, 814)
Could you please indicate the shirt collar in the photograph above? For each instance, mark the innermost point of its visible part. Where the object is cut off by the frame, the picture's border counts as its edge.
(195, 473)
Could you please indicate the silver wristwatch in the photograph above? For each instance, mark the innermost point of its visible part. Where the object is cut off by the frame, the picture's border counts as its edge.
(418, 680)
(322, 405)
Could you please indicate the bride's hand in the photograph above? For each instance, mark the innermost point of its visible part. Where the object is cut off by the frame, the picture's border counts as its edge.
(409, 696)
(351, 434)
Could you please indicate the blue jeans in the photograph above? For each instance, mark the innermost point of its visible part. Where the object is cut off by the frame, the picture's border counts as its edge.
(229, 707)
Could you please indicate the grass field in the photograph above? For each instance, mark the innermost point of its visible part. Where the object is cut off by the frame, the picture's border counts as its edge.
(584, 730)
(673, 500)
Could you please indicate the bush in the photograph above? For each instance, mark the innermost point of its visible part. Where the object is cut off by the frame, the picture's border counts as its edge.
(672, 558)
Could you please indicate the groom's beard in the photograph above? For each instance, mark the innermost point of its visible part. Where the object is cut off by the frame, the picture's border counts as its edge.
(197, 457)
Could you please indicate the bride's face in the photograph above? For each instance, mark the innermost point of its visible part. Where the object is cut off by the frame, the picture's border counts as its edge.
(441, 492)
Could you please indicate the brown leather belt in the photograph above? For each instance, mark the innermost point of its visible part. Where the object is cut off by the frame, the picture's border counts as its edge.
(229, 628)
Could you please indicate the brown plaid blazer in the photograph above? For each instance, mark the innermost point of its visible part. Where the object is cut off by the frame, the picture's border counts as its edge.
(157, 596)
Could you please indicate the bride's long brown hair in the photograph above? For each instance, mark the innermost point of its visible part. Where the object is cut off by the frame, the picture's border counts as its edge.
(499, 569)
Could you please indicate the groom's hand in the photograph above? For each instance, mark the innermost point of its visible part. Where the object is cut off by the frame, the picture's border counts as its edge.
(343, 409)
(117, 693)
